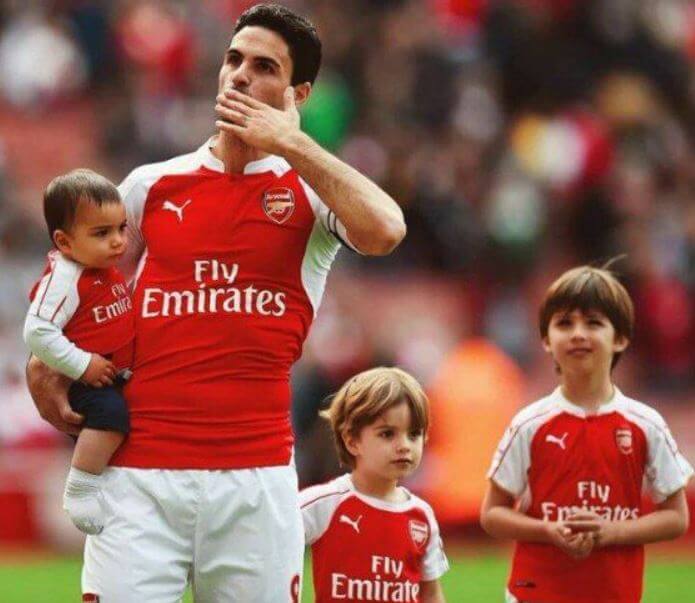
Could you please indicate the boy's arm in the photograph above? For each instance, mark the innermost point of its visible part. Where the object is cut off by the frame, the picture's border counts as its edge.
(48, 343)
(431, 592)
(500, 519)
(669, 521)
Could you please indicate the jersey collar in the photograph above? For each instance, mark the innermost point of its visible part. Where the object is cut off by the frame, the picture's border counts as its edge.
(271, 163)
(377, 503)
(571, 408)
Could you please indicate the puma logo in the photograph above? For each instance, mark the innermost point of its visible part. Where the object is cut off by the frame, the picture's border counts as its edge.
(354, 523)
(555, 440)
(175, 208)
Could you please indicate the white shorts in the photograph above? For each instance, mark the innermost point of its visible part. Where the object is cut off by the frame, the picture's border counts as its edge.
(236, 535)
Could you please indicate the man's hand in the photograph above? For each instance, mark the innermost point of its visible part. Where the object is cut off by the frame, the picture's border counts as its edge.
(576, 545)
(100, 372)
(257, 124)
(49, 389)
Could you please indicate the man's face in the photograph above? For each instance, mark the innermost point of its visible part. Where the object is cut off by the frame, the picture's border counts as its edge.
(257, 63)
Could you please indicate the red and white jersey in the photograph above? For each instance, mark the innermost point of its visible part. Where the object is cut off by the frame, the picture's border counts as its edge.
(366, 549)
(230, 272)
(562, 460)
(77, 310)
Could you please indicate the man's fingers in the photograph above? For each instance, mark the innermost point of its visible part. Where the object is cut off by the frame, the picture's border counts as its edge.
(230, 127)
(228, 103)
(289, 99)
(70, 416)
(244, 99)
(68, 428)
(231, 115)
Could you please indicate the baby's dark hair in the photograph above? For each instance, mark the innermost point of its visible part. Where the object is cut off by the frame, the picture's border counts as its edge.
(64, 194)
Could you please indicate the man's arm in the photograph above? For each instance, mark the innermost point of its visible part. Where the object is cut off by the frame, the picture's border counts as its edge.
(373, 220)
(49, 390)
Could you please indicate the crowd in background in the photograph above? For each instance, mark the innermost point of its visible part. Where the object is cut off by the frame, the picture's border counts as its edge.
(520, 137)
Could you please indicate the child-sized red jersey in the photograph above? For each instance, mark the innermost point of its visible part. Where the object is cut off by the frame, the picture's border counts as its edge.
(76, 310)
(563, 460)
(367, 549)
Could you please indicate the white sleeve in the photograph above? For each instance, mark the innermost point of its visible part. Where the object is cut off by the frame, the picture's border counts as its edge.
(667, 470)
(327, 218)
(318, 504)
(48, 344)
(133, 191)
(434, 563)
(54, 304)
(512, 459)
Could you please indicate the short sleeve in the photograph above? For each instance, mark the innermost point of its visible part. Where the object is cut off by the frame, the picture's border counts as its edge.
(511, 461)
(667, 470)
(327, 219)
(318, 504)
(434, 563)
(133, 192)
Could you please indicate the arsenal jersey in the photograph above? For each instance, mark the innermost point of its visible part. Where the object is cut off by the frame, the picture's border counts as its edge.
(75, 311)
(562, 460)
(229, 272)
(366, 549)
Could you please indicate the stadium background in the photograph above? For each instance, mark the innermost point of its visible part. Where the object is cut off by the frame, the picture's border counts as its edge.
(521, 137)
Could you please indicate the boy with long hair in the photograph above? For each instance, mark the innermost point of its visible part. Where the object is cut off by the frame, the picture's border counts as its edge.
(371, 539)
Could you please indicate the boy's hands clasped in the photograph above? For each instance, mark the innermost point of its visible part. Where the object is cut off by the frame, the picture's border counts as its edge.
(577, 545)
(581, 533)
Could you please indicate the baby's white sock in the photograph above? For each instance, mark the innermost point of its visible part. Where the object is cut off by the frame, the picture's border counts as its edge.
(83, 501)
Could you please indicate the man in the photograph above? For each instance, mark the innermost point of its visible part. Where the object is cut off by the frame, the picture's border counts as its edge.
(230, 247)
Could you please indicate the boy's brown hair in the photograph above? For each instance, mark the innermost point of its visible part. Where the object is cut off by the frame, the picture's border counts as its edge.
(361, 400)
(64, 193)
(587, 288)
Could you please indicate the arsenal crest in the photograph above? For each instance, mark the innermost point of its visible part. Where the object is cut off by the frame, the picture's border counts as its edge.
(278, 204)
(623, 438)
(419, 532)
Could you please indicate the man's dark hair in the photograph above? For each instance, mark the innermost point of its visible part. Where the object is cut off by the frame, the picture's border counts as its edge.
(299, 35)
(64, 194)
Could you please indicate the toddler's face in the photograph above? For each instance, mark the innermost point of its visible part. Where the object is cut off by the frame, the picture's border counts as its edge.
(390, 448)
(97, 238)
